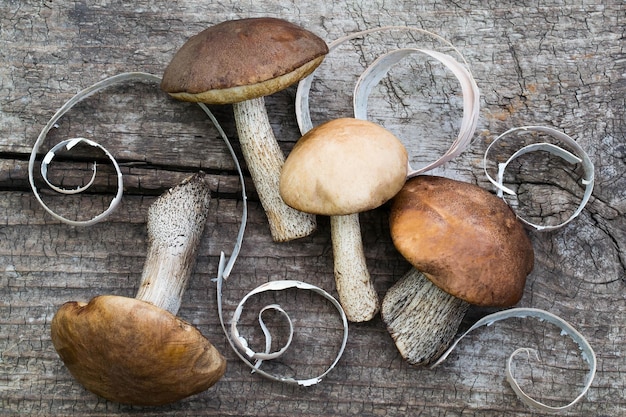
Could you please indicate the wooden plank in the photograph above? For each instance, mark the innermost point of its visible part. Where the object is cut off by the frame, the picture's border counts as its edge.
(559, 64)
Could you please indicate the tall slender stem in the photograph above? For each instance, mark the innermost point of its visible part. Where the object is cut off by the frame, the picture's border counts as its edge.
(265, 160)
(175, 225)
(354, 286)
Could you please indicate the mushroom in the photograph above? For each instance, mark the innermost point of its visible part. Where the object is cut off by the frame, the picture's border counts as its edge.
(136, 351)
(466, 247)
(339, 169)
(239, 62)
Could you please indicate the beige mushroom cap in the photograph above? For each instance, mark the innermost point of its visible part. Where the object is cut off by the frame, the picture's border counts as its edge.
(342, 167)
(133, 352)
(464, 239)
(238, 60)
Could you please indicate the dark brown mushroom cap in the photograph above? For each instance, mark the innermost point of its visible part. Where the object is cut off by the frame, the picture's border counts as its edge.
(132, 352)
(467, 241)
(242, 59)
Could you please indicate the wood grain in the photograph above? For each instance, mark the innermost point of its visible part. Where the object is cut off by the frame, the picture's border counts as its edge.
(554, 63)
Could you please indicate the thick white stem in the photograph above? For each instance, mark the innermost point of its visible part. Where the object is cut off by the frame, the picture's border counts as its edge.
(354, 286)
(421, 318)
(175, 225)
(265, 160)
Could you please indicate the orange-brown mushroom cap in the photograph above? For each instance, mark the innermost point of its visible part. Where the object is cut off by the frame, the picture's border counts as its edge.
(132, 352)
(238, 60)
(467, 241)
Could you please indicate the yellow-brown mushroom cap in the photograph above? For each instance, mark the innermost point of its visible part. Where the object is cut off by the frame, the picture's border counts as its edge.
(238, 60)
(467, 241)
(342, 167)
(132, 352)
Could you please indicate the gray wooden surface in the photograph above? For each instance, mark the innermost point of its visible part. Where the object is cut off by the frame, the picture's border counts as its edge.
(554, 63)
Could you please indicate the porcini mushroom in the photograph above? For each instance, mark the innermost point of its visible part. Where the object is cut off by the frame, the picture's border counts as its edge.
(339, 169)
(239, 62)
(136, 351)
(466, 247)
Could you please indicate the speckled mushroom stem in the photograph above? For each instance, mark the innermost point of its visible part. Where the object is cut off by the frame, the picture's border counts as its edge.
(352, 279)
(265, 160)
(421, 318)
(175, 225)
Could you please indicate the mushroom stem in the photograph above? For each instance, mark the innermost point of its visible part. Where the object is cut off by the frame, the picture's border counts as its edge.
(265, 160)
(421, 318)
(175, 224)
(354, 286)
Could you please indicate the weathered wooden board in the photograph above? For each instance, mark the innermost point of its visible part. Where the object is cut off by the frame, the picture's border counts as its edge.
(557, 63)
